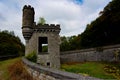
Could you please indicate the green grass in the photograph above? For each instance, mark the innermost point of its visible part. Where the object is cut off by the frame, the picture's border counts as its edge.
(94, 69)
(4, 75)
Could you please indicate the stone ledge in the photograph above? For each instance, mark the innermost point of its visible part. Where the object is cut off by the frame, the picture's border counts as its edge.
(54, 73)
(91, 49)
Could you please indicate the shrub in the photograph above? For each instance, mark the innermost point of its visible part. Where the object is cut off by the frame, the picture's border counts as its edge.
(116, 55)
(112, 70)
(32, 56)
(18, 72)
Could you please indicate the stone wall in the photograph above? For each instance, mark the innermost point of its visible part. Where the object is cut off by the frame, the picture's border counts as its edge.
(53, 56)
(106, 53)
(43, 59)
(43, 73)
(34, 35)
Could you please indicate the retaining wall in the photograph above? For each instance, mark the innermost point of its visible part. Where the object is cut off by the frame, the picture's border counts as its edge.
(43, 73)
(106, 53)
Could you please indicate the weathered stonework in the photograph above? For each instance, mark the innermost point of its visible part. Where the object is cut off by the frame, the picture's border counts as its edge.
(36, 35)
(106, 53)
(39, 72)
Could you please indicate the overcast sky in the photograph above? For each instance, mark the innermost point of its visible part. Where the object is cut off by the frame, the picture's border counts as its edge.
(72, 15)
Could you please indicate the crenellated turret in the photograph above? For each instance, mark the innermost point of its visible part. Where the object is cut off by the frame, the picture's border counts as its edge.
(28, 16)
(27, 21)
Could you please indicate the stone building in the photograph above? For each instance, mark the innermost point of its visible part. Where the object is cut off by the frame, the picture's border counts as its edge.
(38, 35)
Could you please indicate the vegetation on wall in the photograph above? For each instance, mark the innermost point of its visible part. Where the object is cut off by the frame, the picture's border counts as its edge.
(10, 44)
(32, 56)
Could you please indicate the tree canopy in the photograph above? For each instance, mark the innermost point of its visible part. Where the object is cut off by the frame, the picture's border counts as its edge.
(10, 44)
(41, 21)
(105, 30)
(70, 43)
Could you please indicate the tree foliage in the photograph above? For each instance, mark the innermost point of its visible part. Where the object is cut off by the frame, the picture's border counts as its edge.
(70, 43)
(41, 21)
(10, 44)
(105, 29)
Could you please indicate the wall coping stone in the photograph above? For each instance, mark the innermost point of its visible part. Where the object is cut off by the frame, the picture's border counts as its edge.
(90, 49)
(58, 74)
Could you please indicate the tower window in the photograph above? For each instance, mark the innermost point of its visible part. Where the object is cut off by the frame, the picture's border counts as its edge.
(43, 44)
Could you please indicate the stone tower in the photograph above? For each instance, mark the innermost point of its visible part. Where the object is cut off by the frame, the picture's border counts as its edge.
(38, 35)
(27, 22)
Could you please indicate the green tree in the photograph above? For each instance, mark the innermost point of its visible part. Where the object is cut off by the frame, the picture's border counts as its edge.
(70, 43)
(41, 21)
(10, 44)
(105, 29)
(64, 44)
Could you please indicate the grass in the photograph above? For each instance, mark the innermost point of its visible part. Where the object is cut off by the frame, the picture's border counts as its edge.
(4, 74)
(13, 69)
(95, 69)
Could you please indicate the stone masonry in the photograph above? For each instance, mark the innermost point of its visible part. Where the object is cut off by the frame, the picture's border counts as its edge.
(38, 35)
(43, 73)
(105, 53)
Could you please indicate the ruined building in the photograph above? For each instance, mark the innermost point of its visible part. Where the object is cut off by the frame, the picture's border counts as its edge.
(38, 35)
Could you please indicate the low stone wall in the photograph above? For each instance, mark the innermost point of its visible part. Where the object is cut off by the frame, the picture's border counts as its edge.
(106, 53)
(42, 73)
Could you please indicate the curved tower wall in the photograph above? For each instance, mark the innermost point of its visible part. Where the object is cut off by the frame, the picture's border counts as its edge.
(28, 16)
(27, 22)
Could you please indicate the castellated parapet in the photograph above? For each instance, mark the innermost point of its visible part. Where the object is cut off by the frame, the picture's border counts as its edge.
(47, 28)
(37, 36)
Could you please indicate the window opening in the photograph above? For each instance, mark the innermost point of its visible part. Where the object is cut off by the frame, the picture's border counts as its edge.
(43, 44)
(48, 64)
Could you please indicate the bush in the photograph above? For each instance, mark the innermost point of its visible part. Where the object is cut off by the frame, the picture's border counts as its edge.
(18, 72)
(112, 70)
(32, 56)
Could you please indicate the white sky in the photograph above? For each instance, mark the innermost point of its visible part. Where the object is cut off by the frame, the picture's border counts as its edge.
(71, 15)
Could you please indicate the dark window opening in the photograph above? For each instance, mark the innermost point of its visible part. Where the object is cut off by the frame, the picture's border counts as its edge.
(48, 64)
(43, 44)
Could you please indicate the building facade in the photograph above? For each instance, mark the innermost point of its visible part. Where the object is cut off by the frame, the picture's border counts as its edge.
(37, 36)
